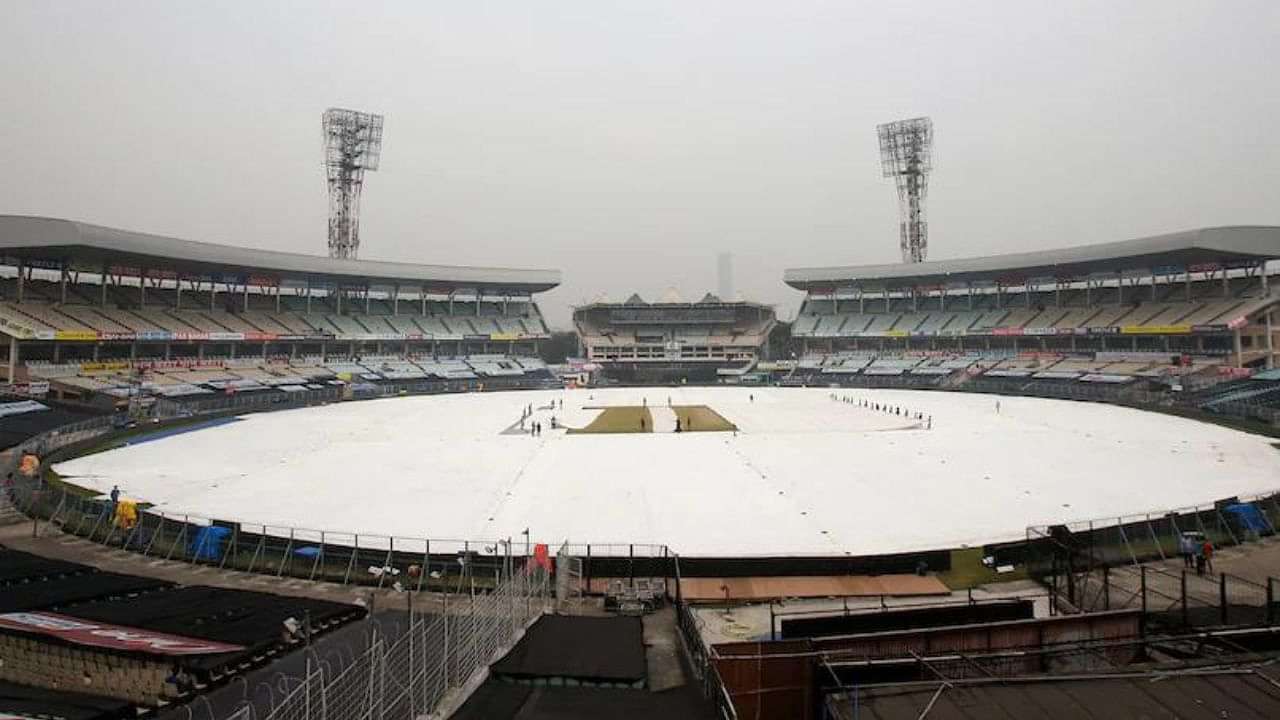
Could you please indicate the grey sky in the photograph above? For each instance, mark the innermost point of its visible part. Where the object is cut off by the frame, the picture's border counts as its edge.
(628, 143)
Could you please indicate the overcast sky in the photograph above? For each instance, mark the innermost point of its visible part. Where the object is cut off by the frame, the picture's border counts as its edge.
(628, 143)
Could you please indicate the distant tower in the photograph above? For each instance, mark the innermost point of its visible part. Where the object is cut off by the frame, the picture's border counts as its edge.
(352, 144)
(724, 276)
(906, 155)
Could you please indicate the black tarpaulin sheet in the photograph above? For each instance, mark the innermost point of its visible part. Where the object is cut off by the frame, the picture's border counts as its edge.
(592, 649)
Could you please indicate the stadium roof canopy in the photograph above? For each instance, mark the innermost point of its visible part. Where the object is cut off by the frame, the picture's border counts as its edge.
(57, 244)
(1174, 253)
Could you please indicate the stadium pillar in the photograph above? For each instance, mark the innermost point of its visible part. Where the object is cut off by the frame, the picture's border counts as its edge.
(395, 300)
(422, 299)
(1188, 286)
(177, 303)
(142, 288)
(366, 299)
(246, 296)
(133, 351)
(1235, 340)
(22, 275)
(62, 285)
(213, 295)
(168, 351)
(57, 353)
(1226, 292)
(277, 299)
(106, 279)
(13, 358)
(1271, 348)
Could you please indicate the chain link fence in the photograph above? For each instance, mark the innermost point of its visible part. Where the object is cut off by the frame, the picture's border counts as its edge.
(422, 666)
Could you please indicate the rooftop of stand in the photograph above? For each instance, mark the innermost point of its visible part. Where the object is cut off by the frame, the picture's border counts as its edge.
(1162, 254)
(56, 243)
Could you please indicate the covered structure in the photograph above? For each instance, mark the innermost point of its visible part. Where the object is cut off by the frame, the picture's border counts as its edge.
(1208, 285)
(78, 287)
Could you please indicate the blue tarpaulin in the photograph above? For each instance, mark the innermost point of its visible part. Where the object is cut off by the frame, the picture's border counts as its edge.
(1249, 517)
(207, 544)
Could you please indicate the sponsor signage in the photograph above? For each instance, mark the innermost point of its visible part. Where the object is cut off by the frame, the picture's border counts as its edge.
(1103, 331)
(678, 316)
(15, 329)
(1155, 329)
(1040, 331)
(103, 366)
(1006, 331)
(1208, 328)
(115, 637)
(75, 335)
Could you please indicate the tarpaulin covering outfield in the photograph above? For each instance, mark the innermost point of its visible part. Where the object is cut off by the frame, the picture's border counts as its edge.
(803, 473)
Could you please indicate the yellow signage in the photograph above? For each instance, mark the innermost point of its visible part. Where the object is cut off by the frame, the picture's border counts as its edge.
(1155, 329)
(75, 335)
(103, 366)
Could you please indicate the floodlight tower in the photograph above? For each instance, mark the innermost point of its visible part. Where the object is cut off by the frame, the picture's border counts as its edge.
(352, 144)
(906, 155)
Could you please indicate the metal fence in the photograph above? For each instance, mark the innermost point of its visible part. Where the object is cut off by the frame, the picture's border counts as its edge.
(1138, 561)
(422, 667)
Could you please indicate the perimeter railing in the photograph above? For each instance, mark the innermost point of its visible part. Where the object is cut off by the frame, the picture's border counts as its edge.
(1141, 561)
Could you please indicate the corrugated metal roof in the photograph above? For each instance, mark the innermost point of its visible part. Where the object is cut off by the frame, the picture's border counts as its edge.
(1181, 249)
(87, 246)
(1191, 695)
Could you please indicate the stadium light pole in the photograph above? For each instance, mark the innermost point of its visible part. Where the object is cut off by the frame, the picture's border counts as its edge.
(906, 155)
(352, 145)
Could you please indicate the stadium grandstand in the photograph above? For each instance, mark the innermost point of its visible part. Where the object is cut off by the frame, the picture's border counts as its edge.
(1162, 308)
(95, 311)
(673, 340)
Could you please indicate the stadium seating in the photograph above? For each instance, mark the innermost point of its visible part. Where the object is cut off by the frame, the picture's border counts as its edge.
(1100, 309)
(124, 316)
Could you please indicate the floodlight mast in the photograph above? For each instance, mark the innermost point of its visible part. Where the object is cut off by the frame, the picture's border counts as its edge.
(352, 144)
(906, 155)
